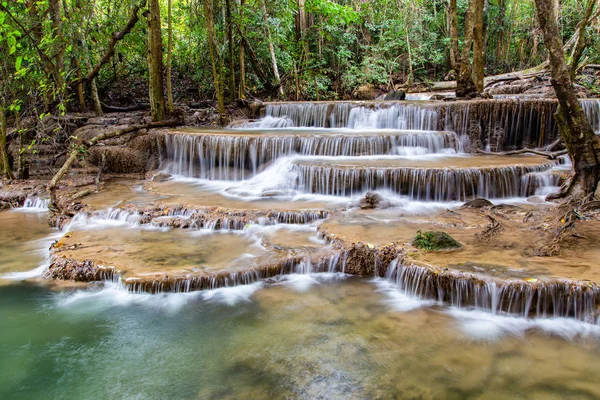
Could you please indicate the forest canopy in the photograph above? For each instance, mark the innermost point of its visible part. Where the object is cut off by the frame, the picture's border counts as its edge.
(294, 49)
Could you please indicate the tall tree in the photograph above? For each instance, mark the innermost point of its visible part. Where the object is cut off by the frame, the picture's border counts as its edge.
(209, 14)
(229, 29)
(265, 17)
(453, 29)
(170, 105)
(478, 40)
(4, 162)
(465, 86)
(155, 64)
(242, 89)
(581, 142)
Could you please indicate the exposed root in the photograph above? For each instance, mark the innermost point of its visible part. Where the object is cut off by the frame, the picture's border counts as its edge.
(490, 231)
(565, 189)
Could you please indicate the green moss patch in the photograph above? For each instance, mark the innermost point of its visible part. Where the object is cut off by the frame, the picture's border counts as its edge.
(434, 241)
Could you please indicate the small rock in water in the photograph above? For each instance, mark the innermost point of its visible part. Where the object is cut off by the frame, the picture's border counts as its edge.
(272, 193)
(373, 200)
(161, 177)
(396, 95)
(435, 240)
(477, 203)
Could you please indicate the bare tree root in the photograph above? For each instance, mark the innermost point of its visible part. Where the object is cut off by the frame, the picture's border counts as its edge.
(491, 231)
(565, 190)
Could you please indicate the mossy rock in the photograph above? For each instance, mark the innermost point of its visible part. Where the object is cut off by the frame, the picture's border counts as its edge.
(435, 241)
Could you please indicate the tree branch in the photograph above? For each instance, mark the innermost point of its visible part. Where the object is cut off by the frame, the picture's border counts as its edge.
(116, 37)
(92, 142)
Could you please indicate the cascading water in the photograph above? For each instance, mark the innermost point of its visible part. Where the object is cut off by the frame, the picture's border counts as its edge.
(379, 115)
(424, 184)
(555, 299)
(238, 157)
(591, 108)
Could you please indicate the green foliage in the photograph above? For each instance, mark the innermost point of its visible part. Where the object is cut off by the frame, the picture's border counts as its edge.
(346, 44)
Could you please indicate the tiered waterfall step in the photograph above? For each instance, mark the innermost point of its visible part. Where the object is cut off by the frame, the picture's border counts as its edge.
(145, 259)
(435, 178)
(502, 265)
(238, 154)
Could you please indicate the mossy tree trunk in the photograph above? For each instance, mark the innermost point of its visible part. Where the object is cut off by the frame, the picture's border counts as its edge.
(4, 162)
(170, 105)
(581, 142)
(478, 43)
(155, 64)
(209, 14)
(465, 86)
(242, 88)
(229, 28)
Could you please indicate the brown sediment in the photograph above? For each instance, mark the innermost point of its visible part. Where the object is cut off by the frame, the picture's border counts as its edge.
(470, 278)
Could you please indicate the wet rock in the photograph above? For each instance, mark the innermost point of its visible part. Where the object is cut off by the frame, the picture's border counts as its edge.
(373, 200)
(477, 203)
(78, 271)
(13, 198)
(434, 241)
(396, 95)
(161, 177)
(272, 193)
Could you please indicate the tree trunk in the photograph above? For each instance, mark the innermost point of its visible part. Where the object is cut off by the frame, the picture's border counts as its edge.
(93, 87)
(229, 30)
(465, 87)
(80, 92)
(478, 33)
(242, 90)
(155, 65)
(208, 9)
(580, 44)
(581, 142)
(271, 47)
(500, 27)
(170, 105)
(453, 26)
(4, 163)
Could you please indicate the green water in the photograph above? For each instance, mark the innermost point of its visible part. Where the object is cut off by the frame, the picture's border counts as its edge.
(307, 337)
(339, 339)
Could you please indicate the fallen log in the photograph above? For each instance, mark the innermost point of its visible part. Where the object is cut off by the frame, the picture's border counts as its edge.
(549, 155)
(135, 107)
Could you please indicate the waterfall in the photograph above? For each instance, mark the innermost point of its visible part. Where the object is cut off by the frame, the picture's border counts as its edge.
(376, 115)
(238, 157)
(553, 299)
(591, 108)
(425, 184)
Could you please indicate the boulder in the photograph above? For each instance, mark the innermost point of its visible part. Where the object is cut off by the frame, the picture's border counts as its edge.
(477, 203)
(396, 95)
(373, 200)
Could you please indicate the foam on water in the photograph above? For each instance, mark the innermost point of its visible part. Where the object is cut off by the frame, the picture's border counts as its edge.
(398, 299)
(303, 282)
(482, 325)
(114, 294)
